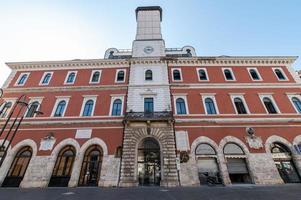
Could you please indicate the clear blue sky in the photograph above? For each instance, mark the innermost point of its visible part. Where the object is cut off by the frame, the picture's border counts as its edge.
(68, 29)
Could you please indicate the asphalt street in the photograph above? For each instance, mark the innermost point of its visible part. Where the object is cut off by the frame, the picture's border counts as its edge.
(283, 192)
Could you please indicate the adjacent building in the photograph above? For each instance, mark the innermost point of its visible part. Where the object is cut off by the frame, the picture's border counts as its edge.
(152, 115)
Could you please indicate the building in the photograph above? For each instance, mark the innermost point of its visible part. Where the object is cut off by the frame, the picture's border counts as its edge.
(153, 115)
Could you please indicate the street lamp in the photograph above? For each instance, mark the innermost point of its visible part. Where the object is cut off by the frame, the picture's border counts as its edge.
(9, 136)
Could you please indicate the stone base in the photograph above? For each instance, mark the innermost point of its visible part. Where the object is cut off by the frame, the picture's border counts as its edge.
(165, 183)
(189, 173)
(128, 184)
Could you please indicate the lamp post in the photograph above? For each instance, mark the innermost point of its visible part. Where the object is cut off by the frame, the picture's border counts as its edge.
(20, 107)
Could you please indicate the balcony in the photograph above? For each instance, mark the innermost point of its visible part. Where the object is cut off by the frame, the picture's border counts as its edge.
(149, 116)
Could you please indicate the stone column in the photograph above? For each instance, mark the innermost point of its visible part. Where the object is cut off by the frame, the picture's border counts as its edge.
(189, 173)
(263, 169)
(109, 171)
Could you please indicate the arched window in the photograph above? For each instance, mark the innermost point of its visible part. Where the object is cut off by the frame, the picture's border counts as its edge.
(60, 109)
(63, 167)
(32, 109)
(202, 74)
(88, 108)
(210, 107)
(239, 105)
(180, 105)
(95, 77)
(22, 79)
(18, 168)
(71, 77)
(228, 74)
(46, 78)
(148, 75)
(176, 75)
(254, 74)
(297, 104)
(204, 149)
(5, 109)
(120, 76)
(279, 74)
(116, 109)
(269, 105)
(91, 166)
(233, 149)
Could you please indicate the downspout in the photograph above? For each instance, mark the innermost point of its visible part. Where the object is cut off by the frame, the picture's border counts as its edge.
(124, 122)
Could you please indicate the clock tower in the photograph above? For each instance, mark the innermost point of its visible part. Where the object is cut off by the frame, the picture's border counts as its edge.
(148, 41)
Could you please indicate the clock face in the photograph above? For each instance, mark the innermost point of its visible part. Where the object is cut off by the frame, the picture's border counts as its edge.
(148, 49)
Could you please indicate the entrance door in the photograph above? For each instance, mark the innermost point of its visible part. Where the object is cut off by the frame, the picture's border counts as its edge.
(90, 171)
(18, 168)
(283, 161)
(287, 171)
(149, 165)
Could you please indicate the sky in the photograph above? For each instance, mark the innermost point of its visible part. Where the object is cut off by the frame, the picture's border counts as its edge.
(35, 30)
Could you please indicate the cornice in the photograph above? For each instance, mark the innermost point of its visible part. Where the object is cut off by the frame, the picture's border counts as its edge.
(66, 88)
(77, 63)
(202, 60)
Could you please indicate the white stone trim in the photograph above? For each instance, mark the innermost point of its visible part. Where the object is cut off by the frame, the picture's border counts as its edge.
(66, 78)
(275, 138)
(7, 100)
(290, 96)
(270, 96)
(20, 76)
(241, 96)
(172, 76)
(77, 165)
(211, 96)
(116, 75)
(113, 98)
(11, 154)
(58, 99)
(85, 99)
(91, 76)
(197, 72)
(45, 73)
(231, 71)
(281, 70)
(258, 74)
(183, 96)
(297, 140)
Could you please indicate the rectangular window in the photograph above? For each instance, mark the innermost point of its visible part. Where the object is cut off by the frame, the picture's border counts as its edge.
(149, 104)
(60, 106)
(22, 79)
(269, 103)
(280, 74)
(70, 78)
(228, 74)
(240, 104)
(88, 105)
(202, 74)
(46, 78)
(120, 76)
(176, 74)
(95, 76)
(254, 74)
(209, 104)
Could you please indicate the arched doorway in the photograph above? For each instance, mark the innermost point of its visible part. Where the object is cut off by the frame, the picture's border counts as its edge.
(206, 159)
(149, 162)
(63, 167)
(18, 168)
(91, 167)
(284, 163)
(236, 163)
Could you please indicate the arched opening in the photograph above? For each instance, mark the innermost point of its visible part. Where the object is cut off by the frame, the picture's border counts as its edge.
(284, 163)
(18, 168)
(236, 164)
(91, 167)
(208, 169)
(63, 167)
(148, 75)
(149, 162)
